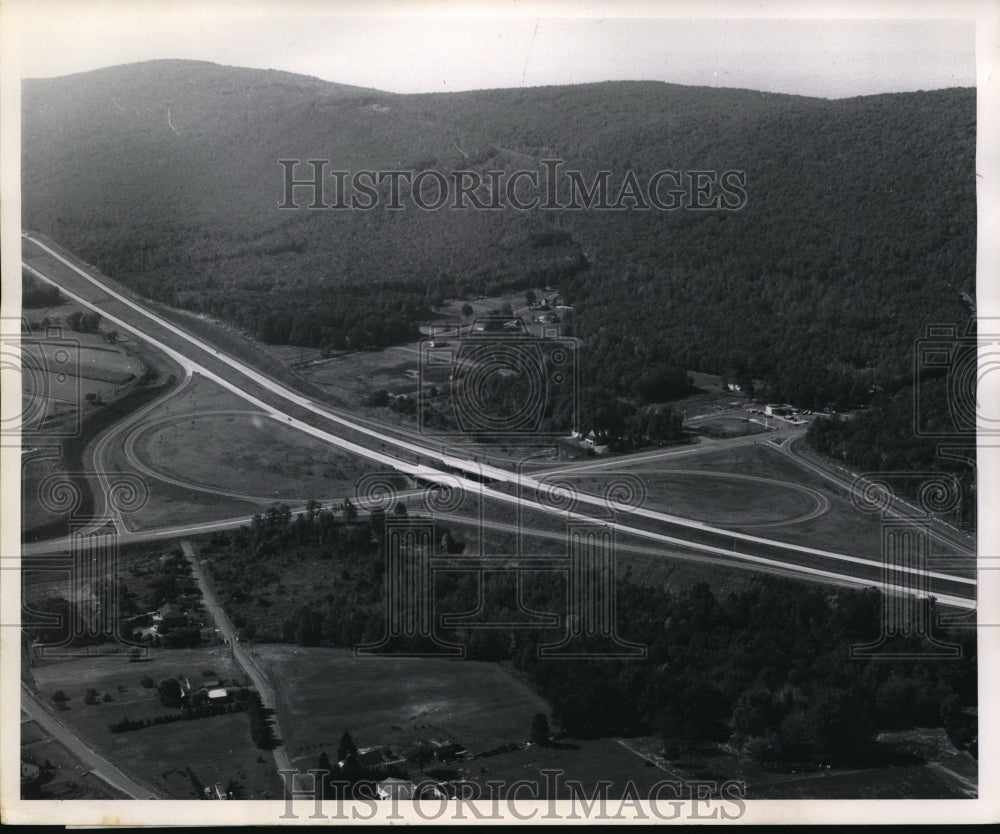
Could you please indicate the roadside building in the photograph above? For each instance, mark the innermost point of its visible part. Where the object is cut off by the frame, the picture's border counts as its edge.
(29, 773)
(170, 616)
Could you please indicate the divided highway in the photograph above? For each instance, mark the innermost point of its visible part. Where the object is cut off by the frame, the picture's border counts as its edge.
(434, 465)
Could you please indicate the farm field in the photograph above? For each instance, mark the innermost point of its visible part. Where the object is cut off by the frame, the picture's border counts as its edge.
(396, 702)
(67, 373)
(216, 749)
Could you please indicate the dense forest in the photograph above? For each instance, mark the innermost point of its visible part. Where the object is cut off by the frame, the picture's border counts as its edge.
(767, 670)
(856, 230)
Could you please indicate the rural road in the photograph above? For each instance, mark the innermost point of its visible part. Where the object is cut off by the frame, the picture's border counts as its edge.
(98, 765)
(297, 411)
(240, 655)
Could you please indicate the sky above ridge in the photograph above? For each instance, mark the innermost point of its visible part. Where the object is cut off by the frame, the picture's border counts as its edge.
(448, 46)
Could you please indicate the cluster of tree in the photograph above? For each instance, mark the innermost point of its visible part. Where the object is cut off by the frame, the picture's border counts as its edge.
(623, 425)
(171, 693)
(540, 732)
(247, 565)
(35, 293)
(188, 714)
(93, 697)
(81, 322)
(261, 728)
(767, 670)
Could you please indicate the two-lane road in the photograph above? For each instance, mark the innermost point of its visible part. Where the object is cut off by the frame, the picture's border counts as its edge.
(98, 764)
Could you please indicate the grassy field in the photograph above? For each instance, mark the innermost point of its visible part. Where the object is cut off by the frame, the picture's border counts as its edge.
(171, 503)
(727, 427)
(729, 499)
(219, 450)
(350, 378)
(395, 702)
(217, 749)
(274, 360)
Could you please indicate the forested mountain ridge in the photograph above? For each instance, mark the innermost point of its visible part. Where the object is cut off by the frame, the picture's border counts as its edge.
(858, 229)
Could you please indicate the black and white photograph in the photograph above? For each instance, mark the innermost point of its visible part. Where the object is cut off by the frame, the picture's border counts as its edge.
(499, 412)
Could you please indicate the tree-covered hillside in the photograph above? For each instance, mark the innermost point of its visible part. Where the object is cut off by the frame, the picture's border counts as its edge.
(858, 228)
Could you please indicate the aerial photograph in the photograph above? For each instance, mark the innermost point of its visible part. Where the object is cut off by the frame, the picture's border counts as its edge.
(495, 413)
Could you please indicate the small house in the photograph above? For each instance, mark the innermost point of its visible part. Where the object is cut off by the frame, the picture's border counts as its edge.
(447, 752)
(393, 788)
(170, 616)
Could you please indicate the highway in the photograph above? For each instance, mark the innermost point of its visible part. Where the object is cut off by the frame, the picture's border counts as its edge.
(434, 465)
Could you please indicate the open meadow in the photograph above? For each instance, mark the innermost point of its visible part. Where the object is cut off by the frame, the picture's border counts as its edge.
(395, 702)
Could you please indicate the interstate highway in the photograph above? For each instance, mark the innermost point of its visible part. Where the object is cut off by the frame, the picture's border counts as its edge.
(433, 465)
